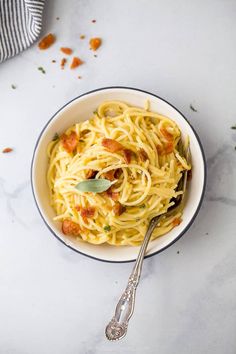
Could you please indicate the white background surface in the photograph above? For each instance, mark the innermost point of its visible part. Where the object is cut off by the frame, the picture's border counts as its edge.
(53, 300)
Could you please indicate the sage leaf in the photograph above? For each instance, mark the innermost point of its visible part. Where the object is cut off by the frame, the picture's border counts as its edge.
(94, 185)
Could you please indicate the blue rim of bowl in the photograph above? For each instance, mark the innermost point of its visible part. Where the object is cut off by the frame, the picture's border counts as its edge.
(204, 177)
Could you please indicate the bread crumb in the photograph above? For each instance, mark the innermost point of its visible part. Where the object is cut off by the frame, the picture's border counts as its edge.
(47, 41)
(7, 150)
(76, 62)
(63, 62)
(95, 43)
(66, 50)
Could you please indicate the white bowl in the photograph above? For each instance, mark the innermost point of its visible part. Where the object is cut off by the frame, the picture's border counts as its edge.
(81, 108)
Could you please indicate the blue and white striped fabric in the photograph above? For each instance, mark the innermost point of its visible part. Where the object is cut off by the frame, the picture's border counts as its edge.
(20, 25)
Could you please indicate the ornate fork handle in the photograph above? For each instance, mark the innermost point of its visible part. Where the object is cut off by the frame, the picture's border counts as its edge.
(117, 327)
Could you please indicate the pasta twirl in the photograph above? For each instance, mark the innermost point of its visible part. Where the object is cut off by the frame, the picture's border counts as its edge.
(136, 149)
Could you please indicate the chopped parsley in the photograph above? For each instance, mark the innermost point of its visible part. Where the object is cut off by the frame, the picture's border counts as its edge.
(192, 108)
(55, 137)
(142, 206)
(70, 214)
(107, 228)
(13, 87)
(95, 112)
(233, 127)
(40, 68)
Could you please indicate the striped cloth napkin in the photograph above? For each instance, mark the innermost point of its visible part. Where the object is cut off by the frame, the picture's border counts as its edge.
(20, 25)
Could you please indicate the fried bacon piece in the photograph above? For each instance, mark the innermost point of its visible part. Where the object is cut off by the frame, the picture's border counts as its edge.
(95, 43)
(169, 147)
(142, 155)
(166, 149)
(109, 175)
(176, 222)
(112, 145)
(70, 228)
(118, 173)
(69, 142)
(47, 41)
(113, 174)
(90, 174)
(166, 134)
(76, 62)
(127, 155)
(67, 51)
(113, 195)
(118, 209)
(87, 212)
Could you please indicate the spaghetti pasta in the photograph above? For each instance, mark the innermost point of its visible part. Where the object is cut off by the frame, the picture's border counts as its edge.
(134, 148)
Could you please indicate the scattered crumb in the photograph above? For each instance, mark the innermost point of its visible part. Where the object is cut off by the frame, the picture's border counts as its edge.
(54, 61)
(189, 175)
(177, 252)
(67, 51)
(13, 87)
(235, 148)
(206, 233)
(82, 36)
(116, 282)
(95, 43)
(47, 41)
(79, 77)
(55, 137)
(94, 21)
(95, 55)
(57, 18)
(63, 62)
(7, 150)
(233, 126)
(76, 62)
(192, 108)
(40, 68)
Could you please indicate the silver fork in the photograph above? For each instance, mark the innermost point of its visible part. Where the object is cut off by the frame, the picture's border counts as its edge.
(117, 327)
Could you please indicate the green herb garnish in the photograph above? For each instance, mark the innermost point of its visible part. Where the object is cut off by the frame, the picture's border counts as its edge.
(13, 87)
(94, 185)
(233, 127)
(40, 68)
(55, 137)
(70, 214)
(192, 108)
(107, 228)
(142, 206)
(95, 112)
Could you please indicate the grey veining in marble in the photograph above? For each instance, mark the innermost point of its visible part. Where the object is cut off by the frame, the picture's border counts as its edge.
(54, 300)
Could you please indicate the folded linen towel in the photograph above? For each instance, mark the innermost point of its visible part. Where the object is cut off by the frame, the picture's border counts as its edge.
(20, 25)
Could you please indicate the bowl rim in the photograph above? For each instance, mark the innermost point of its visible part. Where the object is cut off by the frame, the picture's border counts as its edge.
(202, 155)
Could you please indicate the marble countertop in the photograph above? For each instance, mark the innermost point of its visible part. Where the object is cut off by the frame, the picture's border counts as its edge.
(54, 300)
